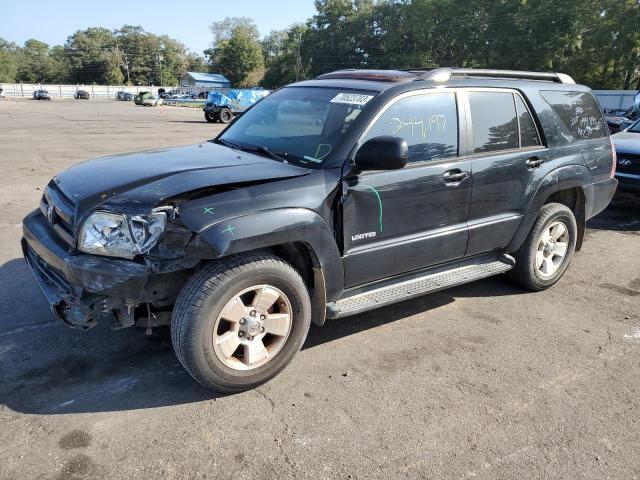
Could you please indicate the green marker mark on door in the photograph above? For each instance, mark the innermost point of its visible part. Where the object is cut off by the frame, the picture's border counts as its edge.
(208, 210)
(379, 202)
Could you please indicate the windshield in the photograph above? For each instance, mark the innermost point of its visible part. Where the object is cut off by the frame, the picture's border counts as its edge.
(301, 125)
(635, 128)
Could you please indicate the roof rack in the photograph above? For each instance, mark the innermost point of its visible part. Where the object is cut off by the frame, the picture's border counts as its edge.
(444, 74)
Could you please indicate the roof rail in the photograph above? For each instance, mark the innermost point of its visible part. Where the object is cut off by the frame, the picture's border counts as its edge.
(444, 74)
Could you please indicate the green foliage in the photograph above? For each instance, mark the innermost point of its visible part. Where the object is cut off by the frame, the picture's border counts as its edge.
(236, 51)
(8, 61)
(597, 42)
(100, 56)
(282, 50)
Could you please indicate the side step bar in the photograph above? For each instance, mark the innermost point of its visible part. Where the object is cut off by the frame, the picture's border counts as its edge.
(420, 284)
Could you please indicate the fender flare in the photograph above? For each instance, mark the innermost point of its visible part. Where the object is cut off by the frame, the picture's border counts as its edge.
(269, 228)
(563, 178)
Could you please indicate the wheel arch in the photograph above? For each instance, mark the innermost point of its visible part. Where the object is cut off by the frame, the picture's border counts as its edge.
(567, 185)
(299, 236)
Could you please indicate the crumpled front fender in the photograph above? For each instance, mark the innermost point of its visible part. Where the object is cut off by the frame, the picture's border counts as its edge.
(269, 228)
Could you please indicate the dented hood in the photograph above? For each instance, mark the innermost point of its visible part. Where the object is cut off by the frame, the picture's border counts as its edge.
(133, 181)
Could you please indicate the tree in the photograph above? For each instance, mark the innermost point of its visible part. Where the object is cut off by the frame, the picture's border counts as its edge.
(282, 50)
(236, 51)
(8, 61)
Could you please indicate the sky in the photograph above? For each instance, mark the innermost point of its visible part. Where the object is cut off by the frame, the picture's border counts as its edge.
(53, 21)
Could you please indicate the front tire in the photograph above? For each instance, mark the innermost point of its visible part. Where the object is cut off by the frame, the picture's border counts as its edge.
(239, 322)
(226, 116)
(210, 117)
(547, 251)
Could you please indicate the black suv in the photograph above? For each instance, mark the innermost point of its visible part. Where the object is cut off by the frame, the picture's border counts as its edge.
(327, 198)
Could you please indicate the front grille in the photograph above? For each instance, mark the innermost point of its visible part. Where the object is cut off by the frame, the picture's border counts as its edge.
(58, 209)
(628, 163)
(45, 272)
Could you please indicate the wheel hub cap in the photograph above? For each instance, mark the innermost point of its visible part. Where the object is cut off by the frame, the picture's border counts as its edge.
(552, 249)
(252, 327)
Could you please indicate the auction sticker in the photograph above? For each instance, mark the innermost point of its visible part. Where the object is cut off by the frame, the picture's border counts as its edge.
(352, 98)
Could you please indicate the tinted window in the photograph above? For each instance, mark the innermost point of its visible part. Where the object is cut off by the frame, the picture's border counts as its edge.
(495, 126)
(528, 133)
(427, 122)
(578, 113)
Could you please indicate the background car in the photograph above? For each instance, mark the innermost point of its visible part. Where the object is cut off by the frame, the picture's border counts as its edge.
(81, 95)
(41, 95)
(627, 144)
(127, 97)
(138, 97)
(618, 120)
(120, 95)
(151, 100)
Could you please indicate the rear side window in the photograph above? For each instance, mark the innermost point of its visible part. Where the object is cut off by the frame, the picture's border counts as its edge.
(495, 125)
(428, 123)
(528, 133)
(578, 114)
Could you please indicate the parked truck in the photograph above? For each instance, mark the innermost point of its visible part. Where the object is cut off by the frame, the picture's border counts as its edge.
(221, 107)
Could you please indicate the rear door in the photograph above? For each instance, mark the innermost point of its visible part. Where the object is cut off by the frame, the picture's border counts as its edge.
(506, 156)
(400, 220)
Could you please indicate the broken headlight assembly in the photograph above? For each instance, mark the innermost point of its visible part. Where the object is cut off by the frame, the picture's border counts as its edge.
(119, 235)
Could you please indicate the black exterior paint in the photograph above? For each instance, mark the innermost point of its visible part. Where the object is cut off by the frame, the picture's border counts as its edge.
(231, 202)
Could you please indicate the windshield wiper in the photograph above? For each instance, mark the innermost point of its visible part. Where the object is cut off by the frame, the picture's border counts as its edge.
(227, 143)
(279, 156)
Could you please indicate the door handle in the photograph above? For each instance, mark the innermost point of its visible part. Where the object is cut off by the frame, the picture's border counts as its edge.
(534, 162)
(455, 176)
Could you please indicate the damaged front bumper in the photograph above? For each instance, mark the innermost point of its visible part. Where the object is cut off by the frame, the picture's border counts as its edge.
(82, 288)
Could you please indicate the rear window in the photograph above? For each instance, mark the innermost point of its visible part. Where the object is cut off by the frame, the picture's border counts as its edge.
(578, 114)
(528, 133)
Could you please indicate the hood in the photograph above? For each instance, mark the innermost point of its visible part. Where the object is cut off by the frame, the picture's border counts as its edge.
(626, 142)
(143, 180)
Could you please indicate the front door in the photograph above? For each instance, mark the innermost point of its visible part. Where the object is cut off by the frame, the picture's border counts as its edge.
(397, 221)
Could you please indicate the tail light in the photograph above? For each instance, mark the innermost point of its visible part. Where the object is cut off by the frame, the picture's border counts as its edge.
(615, 158)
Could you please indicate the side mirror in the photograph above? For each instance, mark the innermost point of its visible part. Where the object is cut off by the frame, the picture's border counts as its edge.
(382, 153)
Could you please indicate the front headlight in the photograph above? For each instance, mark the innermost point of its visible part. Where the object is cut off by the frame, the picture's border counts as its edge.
(124, 236)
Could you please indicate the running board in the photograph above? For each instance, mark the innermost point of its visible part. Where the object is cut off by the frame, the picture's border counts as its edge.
(421, 284)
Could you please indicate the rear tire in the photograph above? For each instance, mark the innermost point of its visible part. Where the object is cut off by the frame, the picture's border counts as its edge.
(546, 253)
(237, 323)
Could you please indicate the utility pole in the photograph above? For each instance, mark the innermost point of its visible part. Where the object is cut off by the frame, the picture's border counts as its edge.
(126, 64)
(299, 59)
(159, 58)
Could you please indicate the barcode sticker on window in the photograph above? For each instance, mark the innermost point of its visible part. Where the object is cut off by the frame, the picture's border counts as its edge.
(352, 98)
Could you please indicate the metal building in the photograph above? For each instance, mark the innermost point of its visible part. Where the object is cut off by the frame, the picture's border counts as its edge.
(211, 81)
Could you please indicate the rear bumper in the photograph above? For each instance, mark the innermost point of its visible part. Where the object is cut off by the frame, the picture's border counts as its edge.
(598, 196)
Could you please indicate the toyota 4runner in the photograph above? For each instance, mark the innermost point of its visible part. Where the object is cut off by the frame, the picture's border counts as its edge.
(328, 198)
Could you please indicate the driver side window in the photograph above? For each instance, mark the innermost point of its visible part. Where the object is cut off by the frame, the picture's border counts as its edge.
(428, 122)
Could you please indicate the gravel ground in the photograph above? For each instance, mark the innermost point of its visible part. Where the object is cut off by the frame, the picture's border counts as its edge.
(481, 381)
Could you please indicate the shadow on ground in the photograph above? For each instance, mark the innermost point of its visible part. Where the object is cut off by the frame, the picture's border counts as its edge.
(47, 368)
(621, 216)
